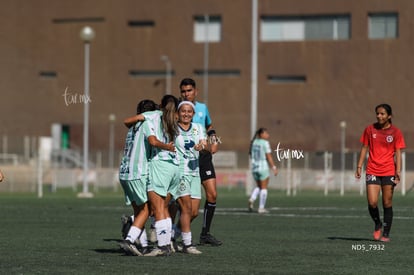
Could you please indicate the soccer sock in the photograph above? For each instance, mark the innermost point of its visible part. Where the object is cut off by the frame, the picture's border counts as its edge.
(209, 209)
(263, 198)
(161, 227)
(143, 238)
(388, 214)
(186, 238)
(255, 193)
(374, 212)
(133, 234)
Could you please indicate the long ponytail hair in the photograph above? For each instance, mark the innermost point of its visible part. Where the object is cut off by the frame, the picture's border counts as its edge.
(169, 105)
(256, 135)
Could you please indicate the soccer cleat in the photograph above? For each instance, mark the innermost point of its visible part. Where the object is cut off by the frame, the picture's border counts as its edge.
(175, 246)
(377, 232)
(159, 251)
(130, 248)
(250, 205)
(377, 235)
(385, 239)
(172, 247)
(126, 223)
(209, 239)
(263, 211)
(145, 250)
(191, 249)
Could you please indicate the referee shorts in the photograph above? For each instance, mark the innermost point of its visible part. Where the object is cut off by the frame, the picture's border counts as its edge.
(206, 166)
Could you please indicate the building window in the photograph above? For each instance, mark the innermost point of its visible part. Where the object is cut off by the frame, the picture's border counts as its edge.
(286, 79)
(141, 23)
(48, 74)
(300, 28)
(222, 73)
(149, 73)
(207, 28)
(383, 25)
(78, 20)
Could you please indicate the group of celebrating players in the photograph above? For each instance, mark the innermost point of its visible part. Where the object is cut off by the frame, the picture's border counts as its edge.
(167, 157)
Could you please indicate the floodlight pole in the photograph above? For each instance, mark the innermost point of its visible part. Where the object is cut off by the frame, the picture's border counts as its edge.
(206, 57)
(168, 73)
(342, 125)
(112, 119)
(87, 34)
(253, 97)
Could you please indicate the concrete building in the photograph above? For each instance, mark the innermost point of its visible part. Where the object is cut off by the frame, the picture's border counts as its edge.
(320, 62)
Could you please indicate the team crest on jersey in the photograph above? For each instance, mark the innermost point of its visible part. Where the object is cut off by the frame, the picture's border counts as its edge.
(390, 139)
(195, 131)
(182, 186)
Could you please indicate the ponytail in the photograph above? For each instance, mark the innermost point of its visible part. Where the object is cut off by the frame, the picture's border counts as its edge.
(256, 135)
(169, 109)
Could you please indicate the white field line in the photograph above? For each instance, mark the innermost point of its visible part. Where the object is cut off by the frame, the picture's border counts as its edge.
(307, 212)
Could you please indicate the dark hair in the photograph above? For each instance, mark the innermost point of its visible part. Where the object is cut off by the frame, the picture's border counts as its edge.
(188, 81)
(146, 105)
(386, 107)
(259, 131)
(168, 106)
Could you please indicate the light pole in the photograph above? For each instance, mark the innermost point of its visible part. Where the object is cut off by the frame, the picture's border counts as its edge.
(206, 57)
(167, 74)
(112, 119)
(254, 72)
(342, 125)
(87, 34)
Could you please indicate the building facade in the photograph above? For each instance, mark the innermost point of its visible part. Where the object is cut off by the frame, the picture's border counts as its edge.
(320, 63)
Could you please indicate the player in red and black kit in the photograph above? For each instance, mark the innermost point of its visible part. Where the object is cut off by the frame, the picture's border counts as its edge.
(383, 142)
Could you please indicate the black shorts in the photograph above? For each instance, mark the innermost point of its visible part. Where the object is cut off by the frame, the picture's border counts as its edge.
(380, 180)
(206, 166)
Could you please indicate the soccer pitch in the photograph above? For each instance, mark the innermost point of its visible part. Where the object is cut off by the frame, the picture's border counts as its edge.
(305, 234)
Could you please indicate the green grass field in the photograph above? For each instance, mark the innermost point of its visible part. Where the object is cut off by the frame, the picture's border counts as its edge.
(305, 234)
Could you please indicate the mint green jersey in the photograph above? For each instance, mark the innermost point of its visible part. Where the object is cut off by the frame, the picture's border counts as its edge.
(134, 163)
(260, 148)
(155, 128)
(184, 144)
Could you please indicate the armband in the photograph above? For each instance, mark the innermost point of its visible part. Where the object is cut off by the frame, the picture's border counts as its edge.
(211, 132)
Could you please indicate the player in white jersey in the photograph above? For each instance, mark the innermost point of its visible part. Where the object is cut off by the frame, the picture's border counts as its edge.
(190, 141)
(163, 167)
(261, 156)
(189, 92)
(133, 176)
